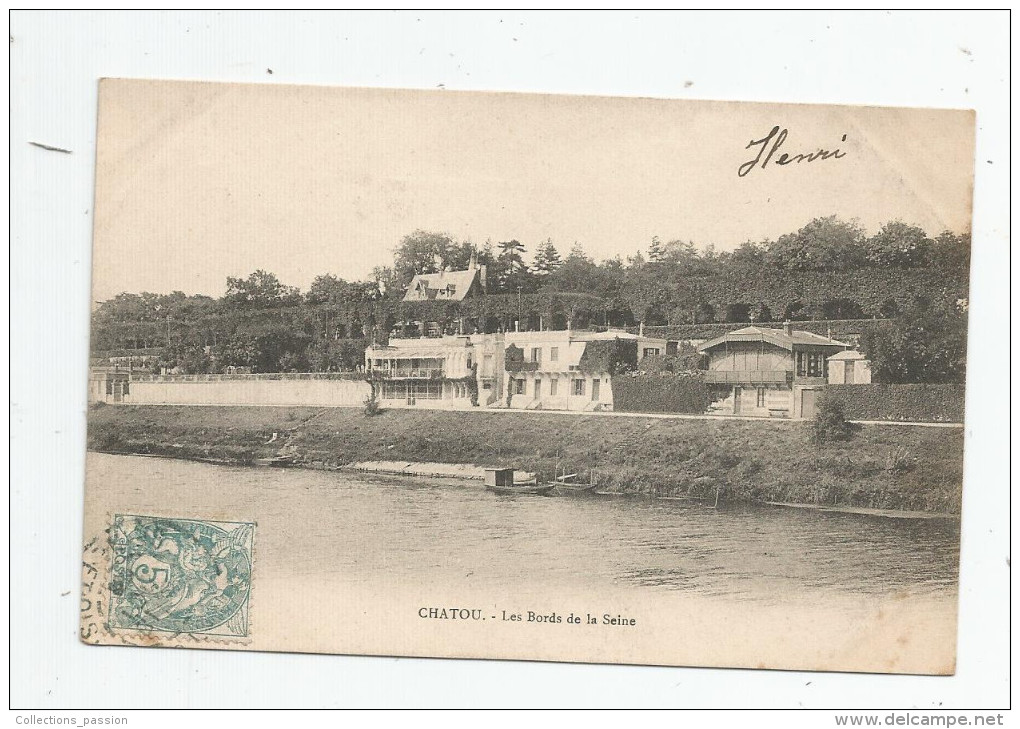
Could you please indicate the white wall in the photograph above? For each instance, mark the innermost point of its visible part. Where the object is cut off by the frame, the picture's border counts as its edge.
(314, 393)
(565, 399)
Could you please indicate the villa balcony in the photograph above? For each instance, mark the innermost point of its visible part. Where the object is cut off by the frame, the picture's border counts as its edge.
(521, 366)
(749, 377)
(401, 373)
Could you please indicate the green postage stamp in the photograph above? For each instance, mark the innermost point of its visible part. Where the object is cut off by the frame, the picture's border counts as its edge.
(180, 575)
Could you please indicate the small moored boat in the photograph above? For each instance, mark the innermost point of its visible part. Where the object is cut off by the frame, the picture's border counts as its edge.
(564, 485)
(501, 481)
(276, 461)
(532, 490)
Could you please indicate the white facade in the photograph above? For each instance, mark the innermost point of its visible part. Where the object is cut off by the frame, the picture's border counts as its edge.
(417, 372)
(849, 368)
(435, 373)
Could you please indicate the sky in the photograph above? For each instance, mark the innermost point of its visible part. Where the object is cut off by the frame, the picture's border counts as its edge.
(196, 182)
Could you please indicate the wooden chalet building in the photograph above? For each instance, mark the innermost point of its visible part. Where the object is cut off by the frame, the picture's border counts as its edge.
(774, 373)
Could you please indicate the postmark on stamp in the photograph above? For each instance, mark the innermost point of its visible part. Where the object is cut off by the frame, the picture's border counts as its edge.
(180, 575)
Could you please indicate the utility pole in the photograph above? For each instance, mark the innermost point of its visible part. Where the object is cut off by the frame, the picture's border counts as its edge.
(519, 289)
(168, 331)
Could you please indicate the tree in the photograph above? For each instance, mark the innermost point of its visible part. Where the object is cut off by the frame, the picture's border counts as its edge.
(749, 257)
(547, 258)
(328, 289)
(422, 252)
(511, 271)
(927, 342)
(898, 244)
(824, 244)
(511, 256)
(656, 251)
(387, 281)
(950, 252)
(260, 289)
(345, 355)
(643, 292)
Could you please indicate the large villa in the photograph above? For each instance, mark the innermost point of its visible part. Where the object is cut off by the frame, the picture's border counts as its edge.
(526, 370)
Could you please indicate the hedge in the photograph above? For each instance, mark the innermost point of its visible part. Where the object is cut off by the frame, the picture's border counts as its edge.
(661, 393)
(917, 403)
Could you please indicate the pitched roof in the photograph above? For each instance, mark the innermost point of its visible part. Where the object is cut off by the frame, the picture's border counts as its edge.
(778, 337)
(444, 285)
(848, 354)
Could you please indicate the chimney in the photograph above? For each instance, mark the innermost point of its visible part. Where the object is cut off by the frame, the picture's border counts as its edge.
(788, 328)
(641, 329)
(473, 263)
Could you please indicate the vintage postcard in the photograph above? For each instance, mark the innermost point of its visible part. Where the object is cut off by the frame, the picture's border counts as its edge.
(559, 378)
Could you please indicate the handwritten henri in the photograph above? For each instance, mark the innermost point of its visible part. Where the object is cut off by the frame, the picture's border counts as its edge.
(772, 142)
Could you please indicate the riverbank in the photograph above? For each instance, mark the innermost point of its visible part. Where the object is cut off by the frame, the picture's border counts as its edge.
(909, 469)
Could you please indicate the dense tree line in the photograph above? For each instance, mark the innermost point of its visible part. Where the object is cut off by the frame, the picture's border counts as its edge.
(829, 269)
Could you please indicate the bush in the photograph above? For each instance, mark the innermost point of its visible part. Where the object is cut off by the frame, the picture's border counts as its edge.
(830, 421)
(372, 407)
(899, 461)
(609, 355)
(104, 440)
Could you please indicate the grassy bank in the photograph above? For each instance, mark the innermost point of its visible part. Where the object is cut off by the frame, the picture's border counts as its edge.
(907, 468)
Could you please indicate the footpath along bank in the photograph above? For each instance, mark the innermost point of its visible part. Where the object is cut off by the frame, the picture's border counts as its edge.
(879, 467)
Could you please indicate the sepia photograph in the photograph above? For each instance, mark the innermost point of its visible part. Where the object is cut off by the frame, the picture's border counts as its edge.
(504, 359)
(565, 378)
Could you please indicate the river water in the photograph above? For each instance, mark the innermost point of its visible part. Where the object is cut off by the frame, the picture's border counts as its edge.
(365, 534)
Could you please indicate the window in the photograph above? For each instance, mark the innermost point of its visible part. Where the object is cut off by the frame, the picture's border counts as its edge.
(394, 390)
(595, 385)
(761, 397)
(428, 390)
(651, 351)
(816, 365)
(579, 387)
(554, 354)
(487, 364)
(486, 385)
(553, 383)
(518, 387)
(536, 354)
(810, 364)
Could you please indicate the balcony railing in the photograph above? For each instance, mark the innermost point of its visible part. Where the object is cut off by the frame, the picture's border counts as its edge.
(749, 377)
(401, 373)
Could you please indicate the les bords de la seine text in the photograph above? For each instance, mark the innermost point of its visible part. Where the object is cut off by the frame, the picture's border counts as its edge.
(524, 616)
